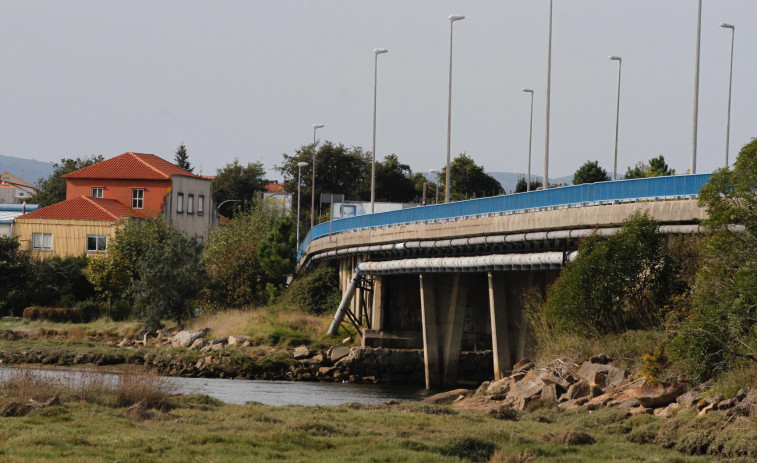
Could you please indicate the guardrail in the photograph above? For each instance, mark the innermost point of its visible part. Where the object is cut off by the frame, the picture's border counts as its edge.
(577, 195)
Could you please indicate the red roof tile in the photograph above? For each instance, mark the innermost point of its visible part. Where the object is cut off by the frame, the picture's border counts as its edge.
(131, 166)
(274, 187)
(81, 208)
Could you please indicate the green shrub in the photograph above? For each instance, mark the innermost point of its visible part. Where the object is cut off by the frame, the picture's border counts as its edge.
(60, 314)
(616, 283)
(316, 291)
(719, 333)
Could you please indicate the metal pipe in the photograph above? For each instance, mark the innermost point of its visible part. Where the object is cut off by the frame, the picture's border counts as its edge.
(346, 298)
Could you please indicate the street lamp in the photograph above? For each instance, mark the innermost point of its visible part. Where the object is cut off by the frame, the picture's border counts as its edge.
(437, 172)
(617, 118)
(376, 52)
(452, 19)
(312, 198)
(530, 133)
(696, 94)
(300, 165)
(730, 86)
(549, 89)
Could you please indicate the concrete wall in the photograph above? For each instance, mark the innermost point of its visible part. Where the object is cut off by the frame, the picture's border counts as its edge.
(195, 223)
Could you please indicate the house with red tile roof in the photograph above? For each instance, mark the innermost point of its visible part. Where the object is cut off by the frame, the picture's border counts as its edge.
(99, 197)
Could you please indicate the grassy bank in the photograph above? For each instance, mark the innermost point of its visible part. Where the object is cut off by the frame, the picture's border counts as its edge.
(125, 423)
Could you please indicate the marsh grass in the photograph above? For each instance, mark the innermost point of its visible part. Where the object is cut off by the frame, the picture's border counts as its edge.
(272, 326)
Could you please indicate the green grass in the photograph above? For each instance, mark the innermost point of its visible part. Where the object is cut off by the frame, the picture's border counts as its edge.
(198, 428)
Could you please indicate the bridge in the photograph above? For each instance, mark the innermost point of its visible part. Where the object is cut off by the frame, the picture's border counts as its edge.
(452, 277)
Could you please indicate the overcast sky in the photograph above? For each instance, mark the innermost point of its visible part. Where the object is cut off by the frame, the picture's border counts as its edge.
(247, 79)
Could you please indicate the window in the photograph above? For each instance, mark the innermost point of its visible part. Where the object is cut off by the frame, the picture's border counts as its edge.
(97, 242)
(137, 198)
(97, 192)
(190, 204)
(200, 204)
(180, 202)
(42, 241)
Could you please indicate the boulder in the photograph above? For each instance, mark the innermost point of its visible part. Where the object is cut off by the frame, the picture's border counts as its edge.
(338, 352)
(573, 404)
(237, 340)
(602, 375)
(198, 343)
(659, 395)
(639, 411)
(667, 412)
(524, 364)
(600, 359)
(301, 352)
(577, 390)
(550, 378)
(498, 386)
(550, 393)
(186, 338)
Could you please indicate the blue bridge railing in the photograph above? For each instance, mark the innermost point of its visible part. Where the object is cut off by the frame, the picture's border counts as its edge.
(587, 194)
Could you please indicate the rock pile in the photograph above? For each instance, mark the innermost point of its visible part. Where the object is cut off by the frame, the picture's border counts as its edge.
(597, 383)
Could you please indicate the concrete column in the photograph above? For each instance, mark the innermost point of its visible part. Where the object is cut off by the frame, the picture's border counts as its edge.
(452, 329)
(523, 322)
(430, 337)
(498, 317)
(377, 305)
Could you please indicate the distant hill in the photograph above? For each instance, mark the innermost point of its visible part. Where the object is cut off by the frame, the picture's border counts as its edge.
(508, 180)
(28, 170)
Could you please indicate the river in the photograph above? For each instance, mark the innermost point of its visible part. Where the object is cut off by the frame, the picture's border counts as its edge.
(239, 391)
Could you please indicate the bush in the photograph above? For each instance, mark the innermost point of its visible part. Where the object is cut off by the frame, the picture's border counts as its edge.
(61, 315)
(616, 283)
(719, 333)
(14, 272)
(316, 291)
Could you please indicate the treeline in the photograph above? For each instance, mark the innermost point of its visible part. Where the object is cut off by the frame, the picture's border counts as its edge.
(154, 272)
(699, 293)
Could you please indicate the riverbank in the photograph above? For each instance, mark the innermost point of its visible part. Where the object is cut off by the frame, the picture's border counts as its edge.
(42, 422)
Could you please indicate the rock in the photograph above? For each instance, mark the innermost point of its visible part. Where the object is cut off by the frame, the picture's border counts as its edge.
(347, 340)
(313, 361)
(727, 403)
(553, 379)
(326, 371)
(658, 394)
(186, 338)
(301, 352)
(708, 409)
(550, 393)
(667, 412)
(525, 390)
(237, 340)
(445, 397)
(600, 359)
(482, 388)
(524, 364)
(199, 343)
(499, 386)
(688, 399)
(337, 353)
(577, 390)
(602, 375)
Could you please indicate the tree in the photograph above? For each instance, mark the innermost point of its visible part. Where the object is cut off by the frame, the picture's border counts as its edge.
(170, 275)
(235, 275)
(14, 272)
(277, 252)
(52, 189)
(468, 179)
(394, 181)
(237, 182)
(338, 170)
(720, 332)
(419, 179)
(657, 167)
(182, 158)
(590, 172)
(520, 187)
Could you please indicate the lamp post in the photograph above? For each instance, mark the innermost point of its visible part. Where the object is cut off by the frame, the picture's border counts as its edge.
(452, 19)
(376, 52)
(617, 118)
(437, 172)
(696, 93)
(730, 86)
(549, 89)
(312, 198)
(300, 165)
(530, 133)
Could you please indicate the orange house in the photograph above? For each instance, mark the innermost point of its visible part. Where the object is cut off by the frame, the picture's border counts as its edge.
(128, 185)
